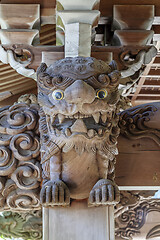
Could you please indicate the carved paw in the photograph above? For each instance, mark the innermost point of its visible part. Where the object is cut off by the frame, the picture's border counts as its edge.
(104, 192)
(54, 193)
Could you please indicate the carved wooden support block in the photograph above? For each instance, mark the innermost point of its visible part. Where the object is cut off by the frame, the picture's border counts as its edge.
(124, 15)
(22, 28)
(67, 17)
(79, 32)
(78, 5)
(78, 39)
(134, 37)
(23, 36)
(20, 16)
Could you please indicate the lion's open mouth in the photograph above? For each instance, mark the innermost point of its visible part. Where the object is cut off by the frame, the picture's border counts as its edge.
(96, 124)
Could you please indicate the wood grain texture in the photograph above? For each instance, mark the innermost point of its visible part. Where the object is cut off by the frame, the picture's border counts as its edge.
(138, 163)
(80, 222)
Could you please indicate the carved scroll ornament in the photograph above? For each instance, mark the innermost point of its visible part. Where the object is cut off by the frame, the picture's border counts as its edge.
(154, 233)
(20, 168)
(141, 121)
(26, 225)
(19, 59)
(78, 126)
(132, 64)
(131, 221)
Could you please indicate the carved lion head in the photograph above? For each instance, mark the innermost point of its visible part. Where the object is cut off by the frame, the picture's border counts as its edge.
(78, 96)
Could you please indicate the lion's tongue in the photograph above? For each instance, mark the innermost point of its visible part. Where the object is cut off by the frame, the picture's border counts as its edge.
(79, 126)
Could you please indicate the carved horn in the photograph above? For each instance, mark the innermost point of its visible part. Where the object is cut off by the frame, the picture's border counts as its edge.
(41, 69)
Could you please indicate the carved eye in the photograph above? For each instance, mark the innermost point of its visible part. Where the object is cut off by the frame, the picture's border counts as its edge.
(58, 95)
(101, 94)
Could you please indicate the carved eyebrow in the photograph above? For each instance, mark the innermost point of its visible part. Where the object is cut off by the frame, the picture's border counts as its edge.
(65, 82)
(93, 81)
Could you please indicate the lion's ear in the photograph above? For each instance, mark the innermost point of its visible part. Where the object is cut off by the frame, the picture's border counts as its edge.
(41, 69)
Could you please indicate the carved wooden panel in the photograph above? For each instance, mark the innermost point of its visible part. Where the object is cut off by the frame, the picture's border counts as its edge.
(20, 168)
(131, 222)
(140, 132)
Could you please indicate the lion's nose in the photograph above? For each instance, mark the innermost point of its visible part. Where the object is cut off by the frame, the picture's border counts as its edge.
(79, 92)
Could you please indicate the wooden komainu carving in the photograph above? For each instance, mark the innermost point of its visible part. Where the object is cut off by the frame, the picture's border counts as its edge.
(78, 127)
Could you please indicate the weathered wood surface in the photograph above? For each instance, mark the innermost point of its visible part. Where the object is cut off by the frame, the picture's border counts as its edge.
(97, 52)
(106, 8)
(79, 222)
(138, 162)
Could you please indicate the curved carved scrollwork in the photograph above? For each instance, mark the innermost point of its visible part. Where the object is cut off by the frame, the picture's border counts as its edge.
(20, 169)
(138, 122)
(18, 118)
(27, 175)
(26, 225)
(23, 199)
(133, 63)
(19, 57)
(25, 146)
(130, 222)
(154, 233)
(7, 161)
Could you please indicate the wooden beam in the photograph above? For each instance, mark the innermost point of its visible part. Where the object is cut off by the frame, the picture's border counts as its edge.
(143, 101)
(146, 95)
(106, 7)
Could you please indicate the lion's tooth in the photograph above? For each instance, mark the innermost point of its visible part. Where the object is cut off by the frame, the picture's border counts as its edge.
(52, 119)
(104, 117)
(100, 131)
(91, 133)
(68, 132)
(61, 118)
(79, 126)
(96, 117)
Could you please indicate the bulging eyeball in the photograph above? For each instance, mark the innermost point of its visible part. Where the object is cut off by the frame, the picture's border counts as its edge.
(58, 94)
(101, 94)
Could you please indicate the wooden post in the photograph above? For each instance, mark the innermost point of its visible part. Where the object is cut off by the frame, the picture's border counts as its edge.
(79, 222)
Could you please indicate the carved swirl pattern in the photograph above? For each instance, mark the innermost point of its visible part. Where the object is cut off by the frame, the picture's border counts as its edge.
(131, 221)
(23, 200)
(18, 118)
(7, 162)
(27, 225)
(27, 175)
(133, 123)
(20, 169)
(25, 146)
(64, 71)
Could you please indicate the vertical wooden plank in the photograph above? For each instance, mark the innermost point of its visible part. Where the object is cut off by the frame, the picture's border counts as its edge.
(79, 222)
(111, 223)
(45, 223)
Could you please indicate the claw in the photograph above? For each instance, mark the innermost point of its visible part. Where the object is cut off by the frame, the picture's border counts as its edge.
(54, 193)
(104, 192)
